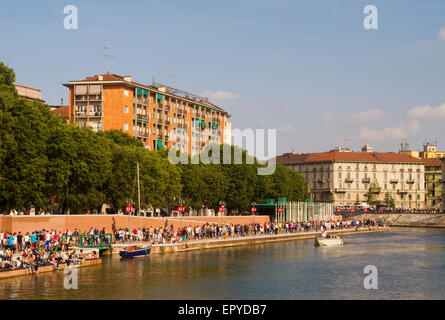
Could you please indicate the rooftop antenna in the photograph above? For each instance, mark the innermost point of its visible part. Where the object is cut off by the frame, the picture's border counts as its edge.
(61, 92)
(107, 55)
(346, 141)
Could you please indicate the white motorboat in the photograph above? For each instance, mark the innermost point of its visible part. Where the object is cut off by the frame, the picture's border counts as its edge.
(328, 241)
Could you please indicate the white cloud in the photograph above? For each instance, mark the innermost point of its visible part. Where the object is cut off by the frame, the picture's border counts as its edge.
(441, 34)
(390, 133)
(366, 116)
(220, 95)
(288, 128)
(427, 112)
(328, 117)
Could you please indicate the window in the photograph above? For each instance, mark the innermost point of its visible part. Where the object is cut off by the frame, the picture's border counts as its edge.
(126, 93)
(125, 126)
(125, 109)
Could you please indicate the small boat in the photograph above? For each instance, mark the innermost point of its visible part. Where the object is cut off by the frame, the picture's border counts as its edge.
(329, 241)
(135, 252)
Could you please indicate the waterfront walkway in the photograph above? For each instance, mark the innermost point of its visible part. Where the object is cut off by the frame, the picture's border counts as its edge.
(244, 240)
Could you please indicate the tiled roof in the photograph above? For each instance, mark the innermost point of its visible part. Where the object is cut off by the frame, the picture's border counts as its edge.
(61, 111)
(116, 77)
(433, 162)
(334, 156)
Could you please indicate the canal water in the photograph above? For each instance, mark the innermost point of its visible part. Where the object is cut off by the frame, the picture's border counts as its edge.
(410, 264)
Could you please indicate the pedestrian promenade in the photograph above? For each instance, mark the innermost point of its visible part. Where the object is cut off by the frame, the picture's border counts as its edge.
(203, 244)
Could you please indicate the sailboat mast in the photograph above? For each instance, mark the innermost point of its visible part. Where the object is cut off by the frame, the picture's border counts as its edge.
(139, 192)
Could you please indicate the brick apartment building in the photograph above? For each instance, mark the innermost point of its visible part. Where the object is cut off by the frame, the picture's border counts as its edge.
(157, 115)
(343, 177)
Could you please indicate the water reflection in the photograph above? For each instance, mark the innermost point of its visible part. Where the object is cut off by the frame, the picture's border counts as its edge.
(411, 265)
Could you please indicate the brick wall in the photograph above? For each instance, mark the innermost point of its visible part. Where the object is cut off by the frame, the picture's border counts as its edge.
(84, 222)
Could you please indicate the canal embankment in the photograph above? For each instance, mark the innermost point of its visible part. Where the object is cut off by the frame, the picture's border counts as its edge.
(244, 241)
(407, 219)
(4, 274)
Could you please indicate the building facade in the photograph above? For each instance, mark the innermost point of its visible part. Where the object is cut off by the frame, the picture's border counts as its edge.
(433, 183)
(29, 93)
(429, 151)
(344, 177)
(443, 184)
(157, 115)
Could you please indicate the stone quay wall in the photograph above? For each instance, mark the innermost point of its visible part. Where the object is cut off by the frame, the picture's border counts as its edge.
(408, 219)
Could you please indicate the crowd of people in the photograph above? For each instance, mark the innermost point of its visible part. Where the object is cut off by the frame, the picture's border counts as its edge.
(39, 248)
(382, 210)
(168, 234)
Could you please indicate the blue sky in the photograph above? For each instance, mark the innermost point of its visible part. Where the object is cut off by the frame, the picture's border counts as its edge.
(307, 68)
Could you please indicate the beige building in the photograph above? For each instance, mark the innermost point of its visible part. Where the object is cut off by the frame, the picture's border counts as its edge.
(344, 177)
(29, 93)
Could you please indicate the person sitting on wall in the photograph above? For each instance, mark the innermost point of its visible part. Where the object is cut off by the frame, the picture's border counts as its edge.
(91, 256)
(80, 255)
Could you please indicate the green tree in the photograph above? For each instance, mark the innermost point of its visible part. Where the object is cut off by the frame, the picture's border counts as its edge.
(389, 201)
(289, 184)
(370, 196)
(24, 130)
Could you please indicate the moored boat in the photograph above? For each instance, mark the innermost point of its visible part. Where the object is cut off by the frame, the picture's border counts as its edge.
(328, 241)
(135, 252)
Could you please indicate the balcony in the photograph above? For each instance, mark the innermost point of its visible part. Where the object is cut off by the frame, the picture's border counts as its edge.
(95, 98)
(142, 117)
(349, 180)
(141, 133)
(80, 114)
(339, 190)
(366, 180)
(394, 181)
(402, 191)
(410, 181)
(95, 114)
(376, 190)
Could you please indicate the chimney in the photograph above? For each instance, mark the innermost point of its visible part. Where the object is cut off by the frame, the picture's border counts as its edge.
(101, 77)
(127, 78)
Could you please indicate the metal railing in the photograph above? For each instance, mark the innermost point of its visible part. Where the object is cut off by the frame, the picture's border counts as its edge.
(97, 241)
